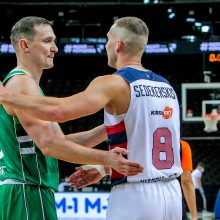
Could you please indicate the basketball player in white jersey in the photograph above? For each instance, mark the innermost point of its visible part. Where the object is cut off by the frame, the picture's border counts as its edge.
(141, 114)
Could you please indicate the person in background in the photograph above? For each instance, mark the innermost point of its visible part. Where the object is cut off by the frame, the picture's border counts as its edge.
(197, 181)
(63, 183)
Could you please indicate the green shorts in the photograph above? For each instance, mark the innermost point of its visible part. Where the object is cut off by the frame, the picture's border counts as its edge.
(26, 202)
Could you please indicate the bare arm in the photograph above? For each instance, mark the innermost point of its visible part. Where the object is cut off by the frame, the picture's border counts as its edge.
(100, 92)
(89, 138)
(57, 146)
(51, 140)
(189, 192)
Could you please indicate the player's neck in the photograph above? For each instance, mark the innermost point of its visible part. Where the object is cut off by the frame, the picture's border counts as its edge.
(33, 74)
(134, 64)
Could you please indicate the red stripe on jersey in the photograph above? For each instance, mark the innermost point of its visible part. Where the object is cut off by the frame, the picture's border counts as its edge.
(122, 145)
(115, 128)
(116, 175)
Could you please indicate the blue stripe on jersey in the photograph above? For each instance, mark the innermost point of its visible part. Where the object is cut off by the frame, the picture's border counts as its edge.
(117, 181)
(117, 138)
(132, 74)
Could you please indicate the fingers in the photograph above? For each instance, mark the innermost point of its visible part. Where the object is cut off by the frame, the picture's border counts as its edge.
(119, 150)
(125, 161)
(80, 183)
(130, 163)
(130, 171)
(134, 169)
(125, 166)
(77, 180)
(82, 177)
(76, 175)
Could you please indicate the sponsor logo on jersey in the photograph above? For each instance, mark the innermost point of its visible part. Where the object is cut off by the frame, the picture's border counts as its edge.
(166, 113)
(1, 154)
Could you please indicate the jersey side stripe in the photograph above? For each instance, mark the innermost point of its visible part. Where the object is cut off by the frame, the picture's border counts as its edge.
(116, 128)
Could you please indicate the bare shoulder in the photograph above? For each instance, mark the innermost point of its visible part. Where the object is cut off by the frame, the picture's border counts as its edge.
(109, 77)
(110, 81)
(23, 84)
(113, 89)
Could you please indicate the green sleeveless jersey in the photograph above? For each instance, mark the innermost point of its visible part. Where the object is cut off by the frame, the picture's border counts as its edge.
(20, 158)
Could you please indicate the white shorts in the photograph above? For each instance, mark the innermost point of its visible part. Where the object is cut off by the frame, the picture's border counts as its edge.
(145, 201)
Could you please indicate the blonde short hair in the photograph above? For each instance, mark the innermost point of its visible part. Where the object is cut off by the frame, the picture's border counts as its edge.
(134, 32)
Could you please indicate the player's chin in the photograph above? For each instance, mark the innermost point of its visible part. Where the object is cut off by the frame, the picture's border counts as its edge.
(49, 65)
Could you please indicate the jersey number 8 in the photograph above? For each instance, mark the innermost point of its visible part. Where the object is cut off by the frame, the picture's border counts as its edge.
(162, 149)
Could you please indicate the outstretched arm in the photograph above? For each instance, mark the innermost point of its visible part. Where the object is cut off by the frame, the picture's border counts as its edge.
(51, 141)
(100, 92)
(55, 145)
(89, 138)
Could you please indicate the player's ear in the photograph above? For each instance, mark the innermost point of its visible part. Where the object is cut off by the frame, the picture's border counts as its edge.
(24, 44)
(120, 45)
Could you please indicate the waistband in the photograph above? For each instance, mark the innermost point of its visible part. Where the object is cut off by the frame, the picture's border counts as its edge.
(157, 180)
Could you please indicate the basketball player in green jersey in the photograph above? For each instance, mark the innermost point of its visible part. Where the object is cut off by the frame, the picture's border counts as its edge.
(28, 146)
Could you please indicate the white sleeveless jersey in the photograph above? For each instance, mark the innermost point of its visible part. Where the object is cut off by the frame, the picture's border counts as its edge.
(150, 129)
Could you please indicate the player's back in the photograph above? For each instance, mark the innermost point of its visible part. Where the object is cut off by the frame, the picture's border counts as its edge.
(150, 128)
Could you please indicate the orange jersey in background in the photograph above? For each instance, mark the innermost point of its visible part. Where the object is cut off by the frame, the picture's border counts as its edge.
(186, 156)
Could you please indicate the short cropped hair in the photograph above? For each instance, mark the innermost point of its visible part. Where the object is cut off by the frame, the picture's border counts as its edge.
(25, 28)
(133, 24)
(135, 35)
